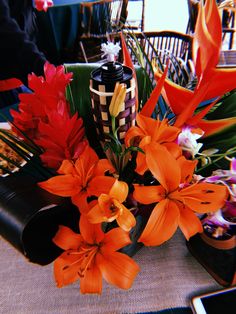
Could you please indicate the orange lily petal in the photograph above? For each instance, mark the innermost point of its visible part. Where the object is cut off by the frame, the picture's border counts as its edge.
(99, 185)
(86, 162)
(91, 233)
(189, 223)
(66, 167)
(118, 269)
(63, 274)
(92, 281)
(67, 239)
(80, 200)
(141, 167)
(163, 166)
(126, 220)
(162, 224)
(119, 191)
(213, 126)
(148, 194)
(174, 149)
(187, 168)
(132, 132)
(97, 215)
(151, 103)
(204, 197)
(102, 166)
(62, 185)
(115, 239)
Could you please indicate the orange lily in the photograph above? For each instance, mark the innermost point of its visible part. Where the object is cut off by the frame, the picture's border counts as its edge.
(81, 179)
(212, 81)
(150, 132)
(177, 199)
(91, 255)
(110, 207)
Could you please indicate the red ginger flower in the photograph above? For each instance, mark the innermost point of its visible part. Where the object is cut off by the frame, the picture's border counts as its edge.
(62, 137)
(81, 179)
(43, 5)
(91, 255)
(176, 198)
(47, 92)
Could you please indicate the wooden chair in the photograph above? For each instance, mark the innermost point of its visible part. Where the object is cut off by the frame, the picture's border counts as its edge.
(228, 27)
(193, 7)
(99, 20)
(161, 46)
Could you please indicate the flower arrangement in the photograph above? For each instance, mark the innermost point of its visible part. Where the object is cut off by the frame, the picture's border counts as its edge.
(146, 184)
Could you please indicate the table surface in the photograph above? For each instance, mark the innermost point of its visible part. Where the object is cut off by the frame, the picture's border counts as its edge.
(169, 276)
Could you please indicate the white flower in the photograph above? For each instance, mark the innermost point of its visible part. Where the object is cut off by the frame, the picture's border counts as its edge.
(110, 50)
(187, 140)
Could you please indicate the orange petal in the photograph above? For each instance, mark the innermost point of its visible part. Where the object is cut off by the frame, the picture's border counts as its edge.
(126, 220)
(188, 111)
(64, 273)
(213, 126)
(86, 161)
(99, 185)
(91, 233)
(187, 168)
(162, 224)
(148, 194)
(174, 149)
(207, 37)
(197, 117)
(133, 132)
(66, 167)
(204, 197)
(151, 103)
(118, 269)
(141, 165)
(189, 223)
(163, 166)
(102, 166)
(67, 239)
(80, 200)
(97, 215)
(115, 239)
(221, 82)
(62, 185)
(92, 281)
(128, 62)
(119, 191)
(176, 96)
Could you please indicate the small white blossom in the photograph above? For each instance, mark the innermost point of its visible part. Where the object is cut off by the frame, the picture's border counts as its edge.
(110, 50)
(187, 140)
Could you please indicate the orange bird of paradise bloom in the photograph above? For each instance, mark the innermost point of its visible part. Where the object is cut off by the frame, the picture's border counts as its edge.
(212, 80)
(177, 199)
(81, 179)
(91, 256)
(151, 132)
(110, 207)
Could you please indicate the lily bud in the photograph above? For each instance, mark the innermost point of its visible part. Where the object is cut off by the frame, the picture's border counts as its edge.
(117, 100)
